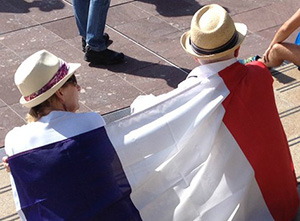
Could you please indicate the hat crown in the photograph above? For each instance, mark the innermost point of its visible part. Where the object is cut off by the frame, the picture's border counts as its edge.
(36, 71)
(211, 27)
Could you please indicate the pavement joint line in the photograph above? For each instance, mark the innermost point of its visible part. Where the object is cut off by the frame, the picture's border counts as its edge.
(268, 28)
(253, 9)
(295, 85)
(130, 83)
(283, 68)
(33, 26)
(123, 3)
(289, 110)
(87, 107)
(5, 189)
(295, 139)
(13, 110)
(286, 115)
(287, 86)
(11, 217)
(155, 15)
(293, 144)
(147, 49)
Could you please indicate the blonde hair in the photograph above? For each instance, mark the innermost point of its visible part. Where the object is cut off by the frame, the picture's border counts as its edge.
(37, 112)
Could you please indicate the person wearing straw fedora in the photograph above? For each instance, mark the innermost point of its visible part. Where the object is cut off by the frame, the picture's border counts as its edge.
(250, 113)
(214, 41)
(57, 160)
(213, 37)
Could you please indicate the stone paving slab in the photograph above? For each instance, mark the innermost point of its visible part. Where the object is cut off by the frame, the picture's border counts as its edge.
(287, 94)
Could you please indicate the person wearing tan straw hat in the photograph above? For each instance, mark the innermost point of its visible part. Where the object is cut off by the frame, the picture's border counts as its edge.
(250, 114)
(213, 36)
(60, 162)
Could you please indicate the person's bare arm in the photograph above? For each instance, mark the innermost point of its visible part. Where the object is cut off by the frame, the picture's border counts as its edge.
(284, 32)
(287, 28)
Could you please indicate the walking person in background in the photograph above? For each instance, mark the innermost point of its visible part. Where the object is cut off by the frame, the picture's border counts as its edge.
(90, 18)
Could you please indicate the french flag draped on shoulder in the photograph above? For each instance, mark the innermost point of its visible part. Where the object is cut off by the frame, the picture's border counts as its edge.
(210, 152)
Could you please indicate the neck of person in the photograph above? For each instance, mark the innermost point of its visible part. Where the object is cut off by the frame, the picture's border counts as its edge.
(55, 106)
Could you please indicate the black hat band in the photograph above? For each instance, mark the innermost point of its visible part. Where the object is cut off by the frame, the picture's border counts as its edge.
(230, 44)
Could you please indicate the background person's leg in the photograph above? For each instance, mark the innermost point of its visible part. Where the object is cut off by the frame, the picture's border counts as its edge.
(96, 24)
(96, 49)
(284, 52)
(81, 10)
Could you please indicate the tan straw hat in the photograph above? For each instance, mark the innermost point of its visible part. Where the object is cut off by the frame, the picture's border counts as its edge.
(40, 76)
(213, 33)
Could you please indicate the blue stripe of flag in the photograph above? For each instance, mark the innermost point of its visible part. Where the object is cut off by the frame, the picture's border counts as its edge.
(80, 178)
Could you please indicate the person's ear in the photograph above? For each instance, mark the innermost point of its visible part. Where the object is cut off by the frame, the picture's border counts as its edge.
(236, 52)
(60, 95)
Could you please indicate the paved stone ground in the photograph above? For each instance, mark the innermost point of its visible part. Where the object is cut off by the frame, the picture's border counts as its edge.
(287, 92)
(148, 32)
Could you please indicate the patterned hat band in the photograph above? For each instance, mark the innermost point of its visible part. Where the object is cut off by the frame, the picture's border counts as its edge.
(59, 75)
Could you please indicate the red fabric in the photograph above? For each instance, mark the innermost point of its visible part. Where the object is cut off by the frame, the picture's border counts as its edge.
(252, 118)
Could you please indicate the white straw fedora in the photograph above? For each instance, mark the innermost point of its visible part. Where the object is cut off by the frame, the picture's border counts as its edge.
(213, 34)
(40, 76)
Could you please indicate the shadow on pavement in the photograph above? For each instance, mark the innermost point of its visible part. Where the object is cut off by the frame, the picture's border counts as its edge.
(22, 6)
(281, 77)
(172, 75)
(170, 8)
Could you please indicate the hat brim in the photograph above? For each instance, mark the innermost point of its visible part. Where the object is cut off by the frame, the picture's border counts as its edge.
(41, 98)
(185, 43)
